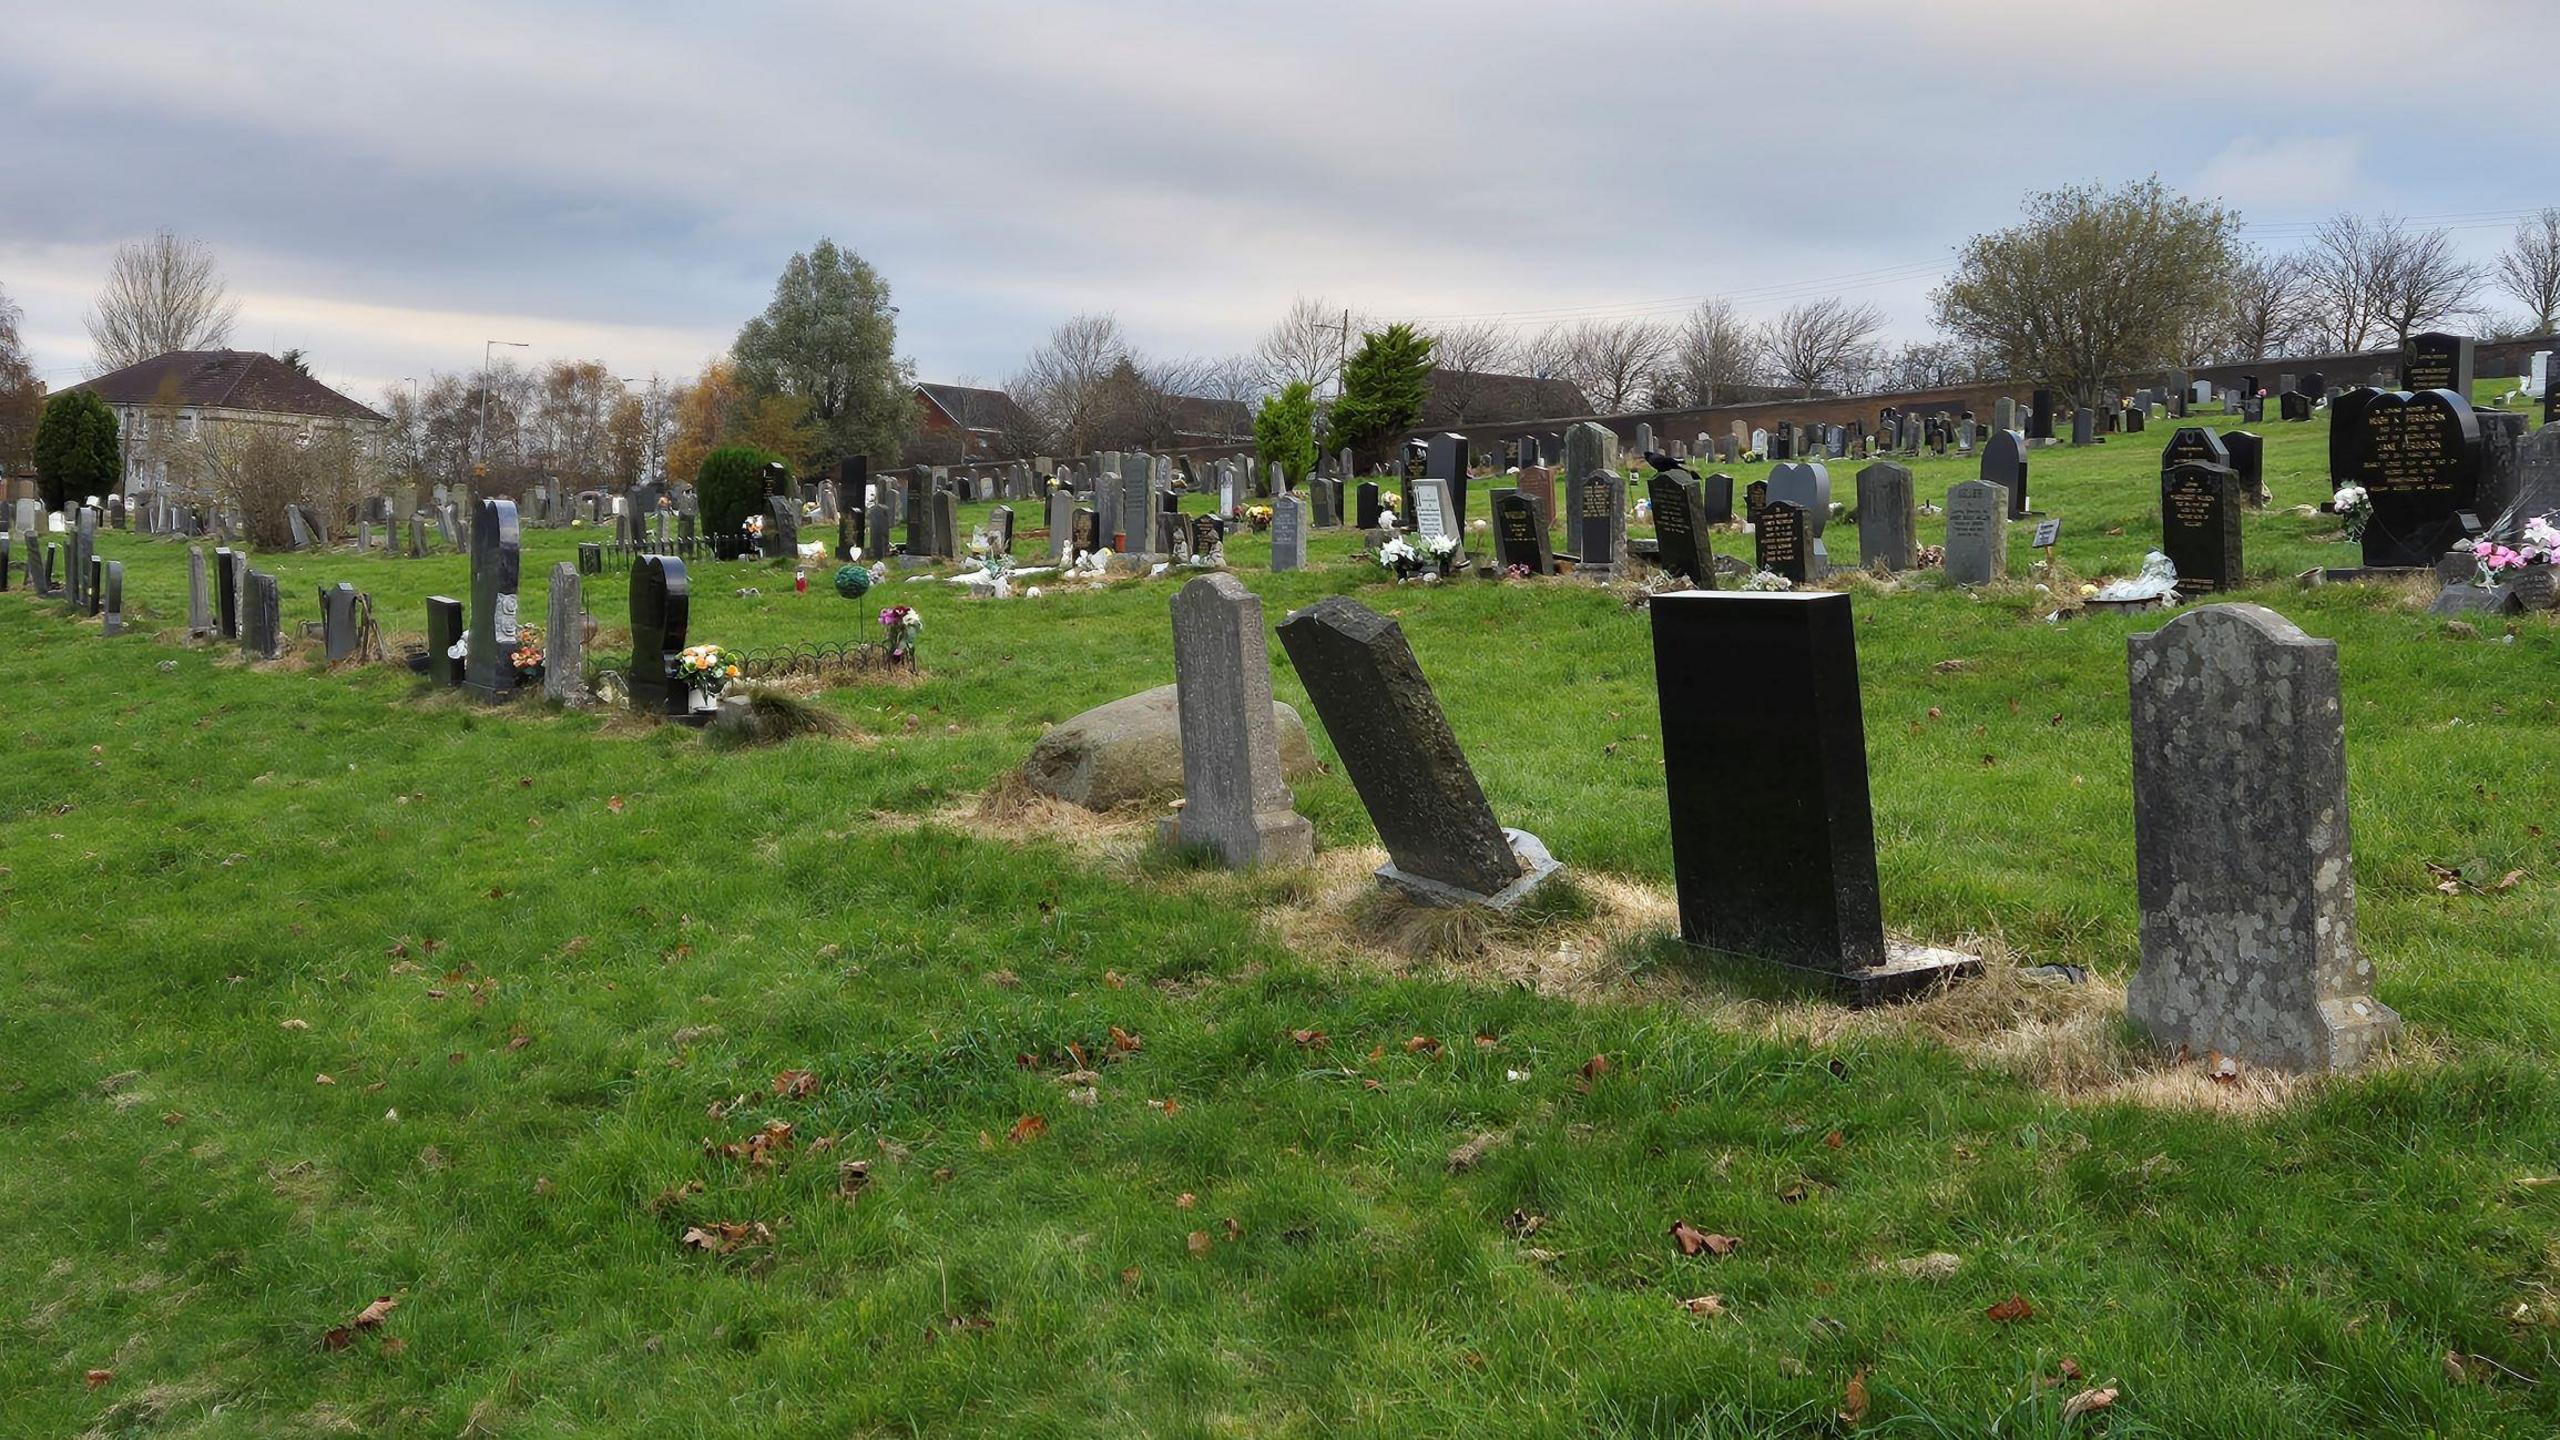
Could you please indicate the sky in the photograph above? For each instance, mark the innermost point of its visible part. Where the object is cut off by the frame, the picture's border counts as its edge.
(389, 186)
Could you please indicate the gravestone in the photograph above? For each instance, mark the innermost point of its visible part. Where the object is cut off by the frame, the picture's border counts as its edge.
(564, 640)
(1755, 498)
(2196, 443)
(1539, 484)
(878, 529)
(1326, 494)
(111, 598)
(1977, 532)
(1288, 533)
(2433, 360)
(417, 536)
(200, 621)
(946, 525)
(1520, 533)
(590, 558)
(1139, 505)
(298, 528)
(337, 622)
(229, 572)
(1000, 529)
(1084, 532)
(262, 617)
(96, 589)
(2004, 413)
(496, 564)
(41, 575)
(2241, 846)
(2084, 426)
(1443, 843)
(1589, 448)
(1206, 536)
(1715, 499)
(447, 641)
(2040, 417)
(1367, 515)
(2347, 434)
(1808, 488)
(1234, 798)
(1600, 526)
(2200, 525)
(2419, 461)
(2004, 463)
(1062, 510)
(1433, 511)
(1888, 518)
(1682, 546)
(661, 605)
(84, 548)
(1774, 857)
(1781, 544)
(2248, 461)
(2294, 406)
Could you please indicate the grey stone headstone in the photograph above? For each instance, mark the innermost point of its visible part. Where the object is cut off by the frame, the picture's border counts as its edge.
(1288, 533)
(262, 617)
(111, 601)
(199, 595)
(1888, 518)
(497, 562)
(1600, 525)
(877, 529)
(1434, 513)
(1138, 504)
(1062, 511)
(2241, 849)
(1808, 488)
(2084, 426)
(946, 525)
(1234, 798)
(2004, 463)
(564, 640)
(1589, 448)
(337, 622)
(1977, 532)
(1395, 743)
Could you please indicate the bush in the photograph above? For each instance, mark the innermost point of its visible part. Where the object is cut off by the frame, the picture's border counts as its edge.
(264, 472)
(731, 485)
(1284, 430)
(76, 453)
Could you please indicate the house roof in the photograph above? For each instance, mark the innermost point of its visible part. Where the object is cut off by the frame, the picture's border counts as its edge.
(972, 408)
(225, 380)
(1497, 399)
(1198, 415)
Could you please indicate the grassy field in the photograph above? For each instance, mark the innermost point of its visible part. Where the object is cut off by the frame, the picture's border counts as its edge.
(321, 987)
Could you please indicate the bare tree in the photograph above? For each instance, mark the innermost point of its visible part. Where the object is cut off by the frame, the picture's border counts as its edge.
(1713, 352)
(1466, 358)
(2421, 282)
(1924, 365)
(2266, 308)
(1066, 385)
(1811, 344)
(1614, 361)
(162, 294)
(21, 395)
(1309, 343)
(2529, 269)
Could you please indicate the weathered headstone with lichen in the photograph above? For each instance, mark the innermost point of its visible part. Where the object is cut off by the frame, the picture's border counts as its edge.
(2241, 848)
(1235, 799)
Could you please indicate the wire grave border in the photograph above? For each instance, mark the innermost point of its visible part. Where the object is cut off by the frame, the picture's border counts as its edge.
(823, 660)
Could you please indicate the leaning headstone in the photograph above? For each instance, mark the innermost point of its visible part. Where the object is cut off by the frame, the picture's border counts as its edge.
(1234, 798)
(496, 564)
(200, 622)
(2200, 525)
(1288, 536)
(1977, 532)
(2241, 852)
(564, 640)
(1774, 858)
(1443, 844)
(661, 603)
(1888, 518)
(262, 618)
(337, 622)
(298, 528)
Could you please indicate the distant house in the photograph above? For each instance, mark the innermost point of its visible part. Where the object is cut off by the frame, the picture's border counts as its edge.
(1199, 420)
(1457, 400)
(192, 394)
(958, 424)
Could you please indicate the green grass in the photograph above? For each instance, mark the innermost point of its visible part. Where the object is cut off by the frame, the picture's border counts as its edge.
(553, 945)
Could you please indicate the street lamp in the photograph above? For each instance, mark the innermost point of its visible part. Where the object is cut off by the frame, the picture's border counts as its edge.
(480, 432)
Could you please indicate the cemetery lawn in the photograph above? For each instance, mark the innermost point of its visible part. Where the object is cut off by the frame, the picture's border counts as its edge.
(318, 987)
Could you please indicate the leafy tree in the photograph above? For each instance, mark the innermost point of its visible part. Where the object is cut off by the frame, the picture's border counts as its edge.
(297, 360)
(1284, 429)
(830, 338)
(2092, 286)
(76, 451)
(1383, 386)
(731, 486)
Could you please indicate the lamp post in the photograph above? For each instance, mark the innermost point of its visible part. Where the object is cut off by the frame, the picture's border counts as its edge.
(480, 431)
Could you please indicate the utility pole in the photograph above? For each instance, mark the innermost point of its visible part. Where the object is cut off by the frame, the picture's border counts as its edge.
(480, 432)
(1342, 360)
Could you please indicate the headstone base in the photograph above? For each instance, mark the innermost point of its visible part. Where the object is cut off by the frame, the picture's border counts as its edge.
(1537, 867)
(1908, 970)
(2470, 599)
(1288, 838)
(2360, 574)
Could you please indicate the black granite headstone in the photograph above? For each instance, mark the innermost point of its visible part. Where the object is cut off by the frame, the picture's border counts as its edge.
(2420, 465)
(2200, 525)
(496, 563)
(1520, 533)
(1682, 546)
(2433, 360)
(1780, 544)
(1715, 500)
(2248, 458)
(661, 607)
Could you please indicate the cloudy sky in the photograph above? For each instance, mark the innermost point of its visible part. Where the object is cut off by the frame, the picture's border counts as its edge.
(389, 186)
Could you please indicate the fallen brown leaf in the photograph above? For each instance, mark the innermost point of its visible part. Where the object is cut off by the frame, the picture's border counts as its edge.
(1853, 1398)
(2013, 1308)
(1694, 1241)
(2088, 1400)
(1028, 1128)
(1835, 1139)
(1704, 1304)
(1422, 1045)
(725, 1237)
(1125, 1042)
(795, 1084)
(1309, 1039)
(98, 1379)
(1198, 1243)
(1595, 1067)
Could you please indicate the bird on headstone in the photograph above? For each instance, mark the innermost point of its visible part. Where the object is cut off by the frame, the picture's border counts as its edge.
(1663, 464)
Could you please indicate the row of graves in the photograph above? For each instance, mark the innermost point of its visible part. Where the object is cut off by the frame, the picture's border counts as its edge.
(2248, 940)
